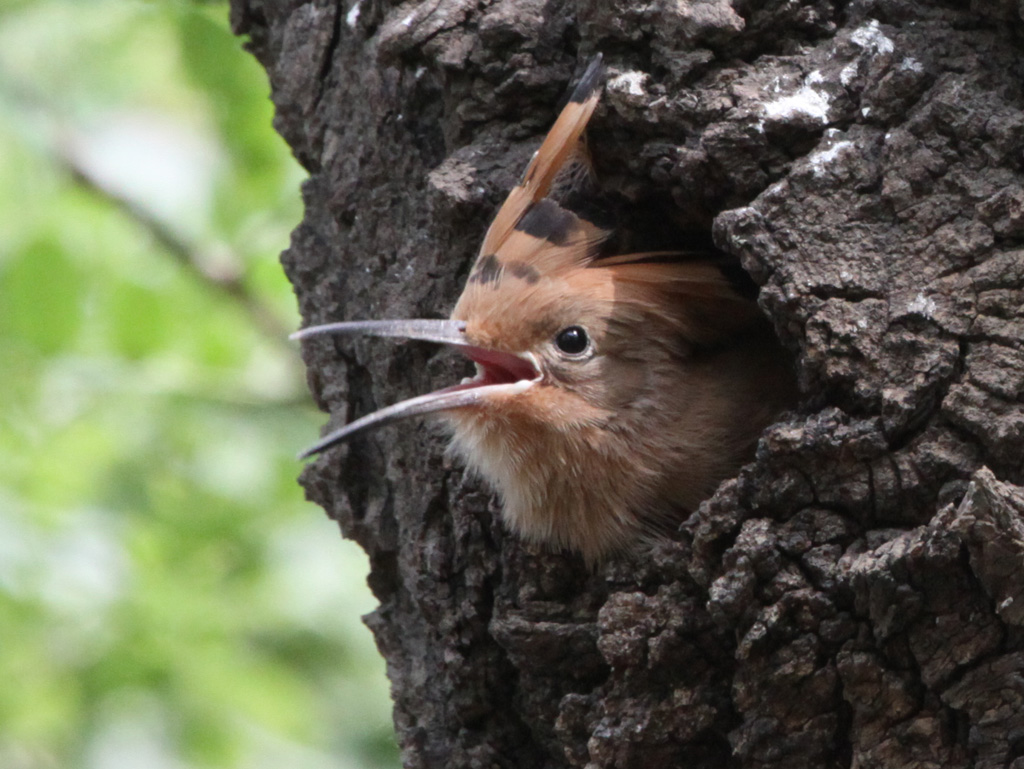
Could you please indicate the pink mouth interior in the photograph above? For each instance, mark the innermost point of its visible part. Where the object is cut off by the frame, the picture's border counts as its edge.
(498, 367)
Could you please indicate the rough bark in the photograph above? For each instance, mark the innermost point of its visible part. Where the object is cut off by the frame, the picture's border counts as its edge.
(855, 597)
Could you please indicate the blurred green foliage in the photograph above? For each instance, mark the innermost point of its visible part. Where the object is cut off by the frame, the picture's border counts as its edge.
(167, 599)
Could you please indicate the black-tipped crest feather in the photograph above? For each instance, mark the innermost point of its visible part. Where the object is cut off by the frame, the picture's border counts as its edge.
(590, 81)
(560, 145)
(548, 221)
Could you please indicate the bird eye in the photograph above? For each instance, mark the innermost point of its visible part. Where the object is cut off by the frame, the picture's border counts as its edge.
(572, 340)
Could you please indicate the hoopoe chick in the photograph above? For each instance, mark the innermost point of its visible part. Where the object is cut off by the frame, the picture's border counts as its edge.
(612, 394)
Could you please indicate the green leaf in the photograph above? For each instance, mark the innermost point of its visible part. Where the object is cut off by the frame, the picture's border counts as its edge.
(40, 298)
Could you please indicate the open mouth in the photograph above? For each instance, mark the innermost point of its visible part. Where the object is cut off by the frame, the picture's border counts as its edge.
(494, 367)
(498, 373)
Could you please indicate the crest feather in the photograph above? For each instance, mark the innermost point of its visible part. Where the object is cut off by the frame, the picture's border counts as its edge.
(538, 254)
(561, 144)
(694, 296)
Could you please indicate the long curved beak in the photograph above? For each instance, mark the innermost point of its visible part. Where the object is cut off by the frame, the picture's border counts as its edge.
(498, 373)
(440, 331)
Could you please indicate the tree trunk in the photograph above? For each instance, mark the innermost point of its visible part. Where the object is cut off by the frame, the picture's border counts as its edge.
(855, 597)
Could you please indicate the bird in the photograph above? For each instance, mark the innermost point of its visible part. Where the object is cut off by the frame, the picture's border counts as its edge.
(613, 393)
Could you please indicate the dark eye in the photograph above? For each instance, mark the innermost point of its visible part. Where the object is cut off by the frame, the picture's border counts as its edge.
(572, 340)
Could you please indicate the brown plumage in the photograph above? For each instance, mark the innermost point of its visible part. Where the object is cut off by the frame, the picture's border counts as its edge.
(613, 394)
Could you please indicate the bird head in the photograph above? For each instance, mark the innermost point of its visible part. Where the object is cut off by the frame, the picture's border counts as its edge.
(512, 295)
(587, 365)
